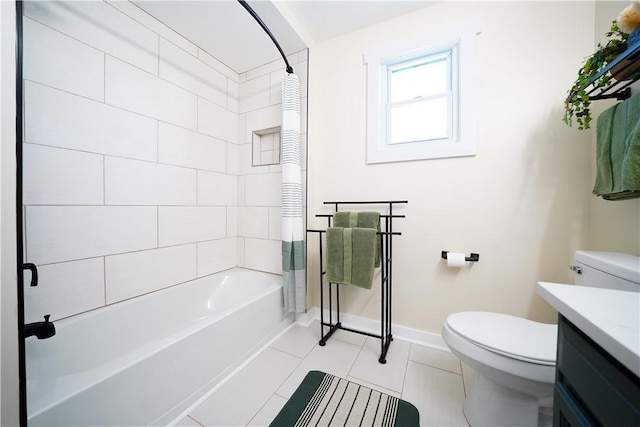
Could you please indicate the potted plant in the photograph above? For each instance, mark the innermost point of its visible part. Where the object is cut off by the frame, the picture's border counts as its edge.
(576, 105)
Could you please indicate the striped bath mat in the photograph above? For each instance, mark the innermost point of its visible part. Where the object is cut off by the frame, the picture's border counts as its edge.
(326, 400)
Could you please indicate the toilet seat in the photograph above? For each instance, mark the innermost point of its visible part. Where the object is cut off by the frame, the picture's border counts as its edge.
(510, 336)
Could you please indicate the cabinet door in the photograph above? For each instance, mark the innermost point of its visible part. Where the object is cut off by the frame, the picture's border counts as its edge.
(593, 388)
(567, 411)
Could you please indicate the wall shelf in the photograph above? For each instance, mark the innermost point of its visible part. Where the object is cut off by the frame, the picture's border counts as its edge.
(618, 89)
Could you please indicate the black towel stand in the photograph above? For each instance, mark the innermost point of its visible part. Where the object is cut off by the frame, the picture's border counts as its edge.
(386, 249)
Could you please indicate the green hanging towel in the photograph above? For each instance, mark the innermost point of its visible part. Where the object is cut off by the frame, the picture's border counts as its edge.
(360, 220)
(351, 255)
(618, 151)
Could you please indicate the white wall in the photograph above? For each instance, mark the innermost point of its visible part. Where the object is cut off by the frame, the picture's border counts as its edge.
(9, 408)
(137, 169)
(522, 202)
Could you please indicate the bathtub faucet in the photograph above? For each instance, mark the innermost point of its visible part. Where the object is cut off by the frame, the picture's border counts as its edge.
(41, 330)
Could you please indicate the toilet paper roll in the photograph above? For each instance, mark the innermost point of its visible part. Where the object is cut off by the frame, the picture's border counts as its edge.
(455, 260)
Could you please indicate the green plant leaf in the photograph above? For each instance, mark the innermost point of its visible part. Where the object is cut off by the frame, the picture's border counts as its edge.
(577, 102)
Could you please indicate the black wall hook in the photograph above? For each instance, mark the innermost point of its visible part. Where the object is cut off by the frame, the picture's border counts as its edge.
(472, 257)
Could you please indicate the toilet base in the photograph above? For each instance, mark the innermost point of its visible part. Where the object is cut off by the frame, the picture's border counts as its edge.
(491, 404)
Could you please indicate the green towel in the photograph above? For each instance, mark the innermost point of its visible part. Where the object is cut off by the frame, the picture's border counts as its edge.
(350, 255)
(360, 220)
(618, 151)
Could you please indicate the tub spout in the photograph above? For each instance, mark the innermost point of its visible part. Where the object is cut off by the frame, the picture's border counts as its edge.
(41, 330)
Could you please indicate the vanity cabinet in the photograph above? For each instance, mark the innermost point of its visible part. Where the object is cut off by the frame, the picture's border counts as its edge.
(592, 388)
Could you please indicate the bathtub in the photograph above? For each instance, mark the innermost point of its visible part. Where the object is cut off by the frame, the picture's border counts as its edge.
(147, 360)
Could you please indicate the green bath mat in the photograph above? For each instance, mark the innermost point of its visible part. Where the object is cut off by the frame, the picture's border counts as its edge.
(326, 400)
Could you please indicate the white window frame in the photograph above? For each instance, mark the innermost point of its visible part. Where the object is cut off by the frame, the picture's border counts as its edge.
(463, 138)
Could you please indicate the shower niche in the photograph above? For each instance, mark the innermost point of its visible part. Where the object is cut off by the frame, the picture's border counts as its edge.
(266, 147)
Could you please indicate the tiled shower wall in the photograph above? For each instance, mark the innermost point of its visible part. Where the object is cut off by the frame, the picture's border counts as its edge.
(137, 159)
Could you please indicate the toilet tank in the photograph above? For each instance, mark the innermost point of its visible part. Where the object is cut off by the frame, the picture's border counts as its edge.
(611, 270)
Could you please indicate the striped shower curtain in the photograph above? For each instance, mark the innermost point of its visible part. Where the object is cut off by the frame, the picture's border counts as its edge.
(293, 268)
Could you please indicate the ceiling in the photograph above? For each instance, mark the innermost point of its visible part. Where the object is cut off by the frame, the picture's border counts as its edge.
(227, 31)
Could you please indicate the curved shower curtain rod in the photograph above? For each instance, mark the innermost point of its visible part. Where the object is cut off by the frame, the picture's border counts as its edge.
(266, 29)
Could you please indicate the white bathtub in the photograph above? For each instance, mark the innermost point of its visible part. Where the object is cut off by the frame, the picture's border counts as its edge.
(146, 360)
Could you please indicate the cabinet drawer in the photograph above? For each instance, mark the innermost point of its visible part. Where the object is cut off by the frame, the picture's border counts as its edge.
(608, 391)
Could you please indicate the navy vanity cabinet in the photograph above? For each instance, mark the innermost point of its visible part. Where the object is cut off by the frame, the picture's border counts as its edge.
(592, 388)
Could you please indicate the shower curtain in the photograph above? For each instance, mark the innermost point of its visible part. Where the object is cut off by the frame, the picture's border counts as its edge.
(293, 262)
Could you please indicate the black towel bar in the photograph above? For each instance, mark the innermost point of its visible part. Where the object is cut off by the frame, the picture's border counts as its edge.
(386, 278)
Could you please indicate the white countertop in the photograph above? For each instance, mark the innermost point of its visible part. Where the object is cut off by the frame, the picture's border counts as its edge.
(610, 318)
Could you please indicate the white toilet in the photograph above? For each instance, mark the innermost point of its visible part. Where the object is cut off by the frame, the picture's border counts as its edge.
(515, 358)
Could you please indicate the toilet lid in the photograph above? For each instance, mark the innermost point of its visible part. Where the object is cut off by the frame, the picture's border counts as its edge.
(511, 336)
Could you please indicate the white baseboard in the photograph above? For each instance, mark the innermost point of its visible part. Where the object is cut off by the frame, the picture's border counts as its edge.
(364, 324)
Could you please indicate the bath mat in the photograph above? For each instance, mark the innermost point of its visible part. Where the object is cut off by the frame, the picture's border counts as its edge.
(326, 400)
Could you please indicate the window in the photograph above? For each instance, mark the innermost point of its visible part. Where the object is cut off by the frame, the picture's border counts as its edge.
(420, 101)
(420, 94)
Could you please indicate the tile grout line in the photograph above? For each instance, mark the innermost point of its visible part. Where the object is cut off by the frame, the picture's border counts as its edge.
(438, 368)
(406, 369)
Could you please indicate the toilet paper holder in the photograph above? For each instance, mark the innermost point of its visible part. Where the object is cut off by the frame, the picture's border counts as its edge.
(471, 257)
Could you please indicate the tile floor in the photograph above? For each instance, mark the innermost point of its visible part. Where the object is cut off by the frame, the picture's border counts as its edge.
(430, 379)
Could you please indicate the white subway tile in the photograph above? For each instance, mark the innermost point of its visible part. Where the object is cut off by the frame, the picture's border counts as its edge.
(233, 97)
(215, 63)
(178, 225)
(134, 182)
(232, 159)
(54, 59)
(267, 69)
(253, 222)
(241, 252)
(65, 289)
(254, 94)
(275, 223)
(267, 157)
(245, 161)
(277, 168)
(275, 89)
(263, 190)
(132, 274)
(188, 72)
(263, 118)
(57, 118)
(242, 129)
(135, 90)
(264, 255)
(134, 12)
(100, 25)
(217, 121)
(64, 233)
(54, 176)
(217, 255)
(232, 221)
(217, 189)
(241, 189)
(182, 147)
